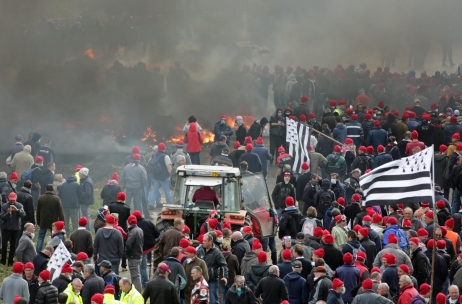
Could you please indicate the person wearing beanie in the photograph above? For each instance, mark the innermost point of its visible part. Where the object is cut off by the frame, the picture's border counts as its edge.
(263, 153)
(381, 158)
(111, 189)
(450, 129)
(370, 248)
(362, 161)
(390, 275)
(252, 159)
(335, 294)
(64, 279)
(339, 133)
(14, 285)
(349, 274)
(415, 145)
(31, 280)
(82, 239)
(108, 244)
(419, 260)
(355, 131)
(281, 192)
(251, 258)
(407, 290)
(451, 148)
(377, 136)
(119, 207)
(286, 266)
(11, 214)
(393, 229)
(257, 271)
(134, 178)
(97, 298)
(46, 293)
(338, 231)
(69, 193)
(296, 284)
(393, 248)
(130, 159)
(336, 163)
(134, 250)
(290, 220)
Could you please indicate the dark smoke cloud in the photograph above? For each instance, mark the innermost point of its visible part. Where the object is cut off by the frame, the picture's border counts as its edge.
(48, 85)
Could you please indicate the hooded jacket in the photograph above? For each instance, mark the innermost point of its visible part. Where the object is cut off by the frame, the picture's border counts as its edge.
(70, 193)
(381, 159)
(340, 132)
(280, 192)
(390, 126)
(289, 223)
(87, 191)
(325, 186)
(377, 136)
(134, 243)
(449, 130)
(33, 143)
(336, 164)
(349, 274)
(296, 286)
(255, 274)
(110, 191)
(249, 259)
(194, 139)
(108, 244)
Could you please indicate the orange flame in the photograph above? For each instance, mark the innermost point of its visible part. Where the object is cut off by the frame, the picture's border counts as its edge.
(247, 120)
(91, 54)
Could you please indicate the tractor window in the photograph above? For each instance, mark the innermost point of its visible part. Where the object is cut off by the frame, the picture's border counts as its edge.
(231, 200)
(179, 191)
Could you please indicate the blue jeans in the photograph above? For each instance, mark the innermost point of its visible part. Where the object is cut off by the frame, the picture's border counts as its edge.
(455, 201)
(213, 290)
(135, 195)
(149, 182)
(86, 213)
(144, 273)
(224, 290)
(41, 238)
(195, 158)
(165, 185)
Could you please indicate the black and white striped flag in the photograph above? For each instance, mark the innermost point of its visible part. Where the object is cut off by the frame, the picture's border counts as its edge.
(297, 136)
(407, 180)
(60, 256)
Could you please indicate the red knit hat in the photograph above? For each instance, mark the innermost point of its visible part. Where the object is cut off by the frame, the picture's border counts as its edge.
(109, 289)
(67, 268)
(370, 150)
(429, 214)
(81, 256)
(392, 220)
(317, 232)
(304, 99)
(367, 284)
(287, 254)
(443, 147)
(375, 269)
(236, 144)
(342, 103)
(18, 267)
(305, 166)
(453, 119)
(289, 201)
(247, 229)
(110, 219)
(361, 256)
(333, 103)
(449, 223)
(341, 201)
(135, 150)
(459, 147)
(356, 228)
(14, 175)
(348, 141)
(376, 218)
(98, 298)
(422, 232)
(381, 104)
(281, 149)
(354, 117)
(83, 221)
(407, 223)
(248, 147)
(414, 135)
(59, 225)
(367, 218)
(440, 298)
(138, 214)
(319, 252)
(256, 245)
(45, 275)
(311, 116)
(392, 239)
(347, 258)
(184, 243)
(136, 156)
(440, 204)
(391, 259)
(364, 231)
(132, 220)
(161, 147)
(29, 265)
(328, 239)
(425, 204)
(262, 257)
(405, 268)
(336, 283)
(191, 249)
(12, 196)
(414, 240)
(368, 116)
(226, 225)
(115, 176)
(430, 244)
(377, 123)
(412, 115)
(259, 140)
(424, 289)
(248, 140)
(121, 196)
(303, 117)
(213, 223)
(337, 148)
(441, 244)
(39, 159)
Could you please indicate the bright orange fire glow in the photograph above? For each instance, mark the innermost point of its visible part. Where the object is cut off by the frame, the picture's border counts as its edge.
(248, 121)
(91, 54)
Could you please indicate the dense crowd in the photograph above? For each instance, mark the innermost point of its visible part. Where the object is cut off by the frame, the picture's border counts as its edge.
(334, 249)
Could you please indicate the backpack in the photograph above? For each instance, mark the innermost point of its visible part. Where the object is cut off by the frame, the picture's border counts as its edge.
(27, 175)
(403, 242)
(157, 168)
(308, 226)
(356, 250)
(364, 164)
(324, 202)
(337, 164)
(391, 151)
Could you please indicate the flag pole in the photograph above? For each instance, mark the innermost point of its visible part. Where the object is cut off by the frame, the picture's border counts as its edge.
(320, 133)
(434, 226)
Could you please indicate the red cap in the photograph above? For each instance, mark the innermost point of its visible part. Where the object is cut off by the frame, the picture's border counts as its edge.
(456, 136)
(304, 99)
(342, 103)
(391, 259)
(459, 147)
(67, 268)
(377, 123)
(213, 223)
(453, 120)
(186, 229)
(319, 252)
(14, 175)
(256, 245)
(367, 218)
(236, 145)
(347, 258)
(109, 289)
(354, 117)
(361, 256)
(78, 167)
(336, 283)
(121, 196)
(375, 269)
(45, 274)
(98, 298)
(431, 243)
(191, 249)
(333, 103)
(83, 221)
(137, 214)
(356, 228)
(247, 229)
(412, 115)
(381, 104)
(110, 219)
(367, 284)
(115, 176)
(414, 135)
(29, 265)
(136, 156)
(364, 231)
(311, 116)
(161, 147)
(328, 239)
(12, 196)
(405, 268)
(449, 223)
(136, 149)
(348, 141)
(415, 240)
(422, 232)
(440, 204)
(305, 166)
(317, 232)
(440, 298)
(429, 214)
(81, 256)
(392, 239)
(376, 218)
(226, 225)
(281, 149)
(425, 204)
(184, 243)
(132, 220)
(443, 147)
(424, 289)
(392, 220)
(248, 140)
(341, 201)
(59, 225)
(39, 159)
(337, 148)
(380, 149)
(263, 257)
(367, 116)
(259, 140)
(248, 147)
(18, 267)
(289, 201)
(363, 149)
(441, 244)
(407, 223)
(287, 254)
(223, 116)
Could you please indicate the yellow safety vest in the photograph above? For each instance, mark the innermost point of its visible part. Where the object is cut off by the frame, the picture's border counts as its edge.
(132, 297)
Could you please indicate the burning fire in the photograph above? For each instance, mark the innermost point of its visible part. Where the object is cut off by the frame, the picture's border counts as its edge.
(91, 54)
(247, 120)
(149, 134)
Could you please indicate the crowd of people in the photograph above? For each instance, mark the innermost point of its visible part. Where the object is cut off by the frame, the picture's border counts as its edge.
(334, 249)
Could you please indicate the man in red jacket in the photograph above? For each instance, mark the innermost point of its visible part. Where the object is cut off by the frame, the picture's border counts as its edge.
(206, 193)
(407, 290)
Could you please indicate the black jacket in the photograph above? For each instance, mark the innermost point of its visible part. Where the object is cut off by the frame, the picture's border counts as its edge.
(332, 256)
(215, 261)
(61, 282)
(426, 132)
(241, 132)
(150, 233)
(46, 294)
(289, 223)
(255, 274)
(272, 289)
(161, 290)
(442, 216)
(33, 287)
(240, 248)
(70, 193)
(93, 284)
(87, 191)
(440, 273)
(325, 284)
(40, 262)
(302, 181)
(313, 242)
(371, 251)
(27, 201)
(246, 297)
(124, 212)
(280, 192)
(253, 160)
(109, 194)
(46, 178)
